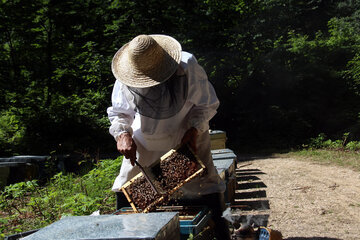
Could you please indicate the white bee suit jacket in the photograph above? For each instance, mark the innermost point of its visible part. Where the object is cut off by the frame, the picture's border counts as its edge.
(155, 137)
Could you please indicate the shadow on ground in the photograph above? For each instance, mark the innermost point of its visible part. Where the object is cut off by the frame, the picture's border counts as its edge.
(311, 238)
(250, 197)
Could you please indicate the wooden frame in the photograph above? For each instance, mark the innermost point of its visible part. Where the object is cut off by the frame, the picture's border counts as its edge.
(168, 193)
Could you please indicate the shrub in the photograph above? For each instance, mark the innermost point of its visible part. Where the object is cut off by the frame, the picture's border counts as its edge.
(26, 205)
(320, 142)
(353, 146)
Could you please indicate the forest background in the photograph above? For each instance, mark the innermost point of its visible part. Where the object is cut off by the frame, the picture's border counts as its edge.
(285, 71)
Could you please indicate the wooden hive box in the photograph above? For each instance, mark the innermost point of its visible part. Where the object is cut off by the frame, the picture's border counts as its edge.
(148, 202)
(226, 170)
(192, 219)
(217, 139)
(151, 226)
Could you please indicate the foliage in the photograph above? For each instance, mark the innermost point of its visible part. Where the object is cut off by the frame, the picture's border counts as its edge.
(322, 142)
(54, 73)
(348, 159)
(11, 130)
(353, 146)
(285, 71)
(26, 205)
(291, 67)
(191, 237)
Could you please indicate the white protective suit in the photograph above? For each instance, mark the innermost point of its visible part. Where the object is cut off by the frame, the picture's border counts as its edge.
(155, 137)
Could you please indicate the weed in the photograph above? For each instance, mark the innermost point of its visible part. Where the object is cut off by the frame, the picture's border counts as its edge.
(320, 142)
(26, 205)
(349, 159)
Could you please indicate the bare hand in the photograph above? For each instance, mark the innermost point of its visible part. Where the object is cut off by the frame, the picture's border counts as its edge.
(126, 145)
(190, 137)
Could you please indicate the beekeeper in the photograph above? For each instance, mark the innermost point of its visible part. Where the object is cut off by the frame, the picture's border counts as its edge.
(162, 98)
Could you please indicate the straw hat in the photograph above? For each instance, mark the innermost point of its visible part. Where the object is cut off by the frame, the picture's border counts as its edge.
(147, 60)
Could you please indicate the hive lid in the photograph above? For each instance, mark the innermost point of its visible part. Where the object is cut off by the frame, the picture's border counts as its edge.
(217, 134)
(155, 226)
(221, 156)
(220, 151)
(25, 159)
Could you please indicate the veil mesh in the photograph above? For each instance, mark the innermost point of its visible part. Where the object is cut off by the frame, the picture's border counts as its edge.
(163, 100)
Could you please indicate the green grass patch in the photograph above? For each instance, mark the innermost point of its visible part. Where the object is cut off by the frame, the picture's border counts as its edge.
(342, 152)
(349, 159)
(26, 206)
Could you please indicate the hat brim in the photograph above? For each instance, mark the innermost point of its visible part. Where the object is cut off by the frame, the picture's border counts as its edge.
(133, 77)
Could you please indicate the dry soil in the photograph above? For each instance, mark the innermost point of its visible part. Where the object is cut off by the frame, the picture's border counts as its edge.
(301, 199)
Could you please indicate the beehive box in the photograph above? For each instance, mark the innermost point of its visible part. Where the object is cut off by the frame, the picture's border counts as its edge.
(226, 170)
(229, 193)
(221, 151)
(217, 139)
(151, 226)
(172, 171)
(221, 156)
(187, 214)
(193, 219)
(195, 225)
(228, 164)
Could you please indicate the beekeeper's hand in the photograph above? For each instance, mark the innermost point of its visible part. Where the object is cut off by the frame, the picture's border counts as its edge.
(190, 137)
(126, 146)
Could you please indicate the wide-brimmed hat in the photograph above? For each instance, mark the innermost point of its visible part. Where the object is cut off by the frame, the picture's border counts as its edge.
(147, 60)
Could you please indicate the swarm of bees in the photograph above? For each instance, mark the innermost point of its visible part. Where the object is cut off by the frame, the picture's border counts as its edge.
(175, 169)
(170, 172)
(141, 193)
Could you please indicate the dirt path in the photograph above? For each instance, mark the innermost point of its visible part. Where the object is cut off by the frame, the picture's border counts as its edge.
(301, 199)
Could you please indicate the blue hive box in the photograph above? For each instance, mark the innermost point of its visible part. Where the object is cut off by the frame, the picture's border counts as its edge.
(225, 155)
(196, 224)
(226, 171)
(222, 150)
(150, 226)
(192, 223)
(227, 164)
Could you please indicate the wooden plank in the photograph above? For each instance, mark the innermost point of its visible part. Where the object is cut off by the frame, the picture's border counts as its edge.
(221, 150)
(220, 156)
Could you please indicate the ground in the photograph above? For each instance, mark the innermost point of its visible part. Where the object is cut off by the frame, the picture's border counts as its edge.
(301, 199)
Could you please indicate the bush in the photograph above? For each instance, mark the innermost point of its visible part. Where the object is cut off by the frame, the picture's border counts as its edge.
(26, 205)
(320, 142)
(353, 146)
(11, 131)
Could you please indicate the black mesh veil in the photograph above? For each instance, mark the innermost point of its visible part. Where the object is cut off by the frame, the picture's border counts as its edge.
(161, 101)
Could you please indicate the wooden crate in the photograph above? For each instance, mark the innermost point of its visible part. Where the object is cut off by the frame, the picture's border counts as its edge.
(193, 219)
(187, 214)
(229, 193)
(217, 139)
(226, 170)
(228, 164)
(161, 199)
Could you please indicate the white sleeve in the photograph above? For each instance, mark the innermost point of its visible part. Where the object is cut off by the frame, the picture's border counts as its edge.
(121, 113)
(202, 95)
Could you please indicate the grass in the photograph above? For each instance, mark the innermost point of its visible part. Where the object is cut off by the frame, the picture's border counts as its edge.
(343, 158)
(338, 152)
(27, 206)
